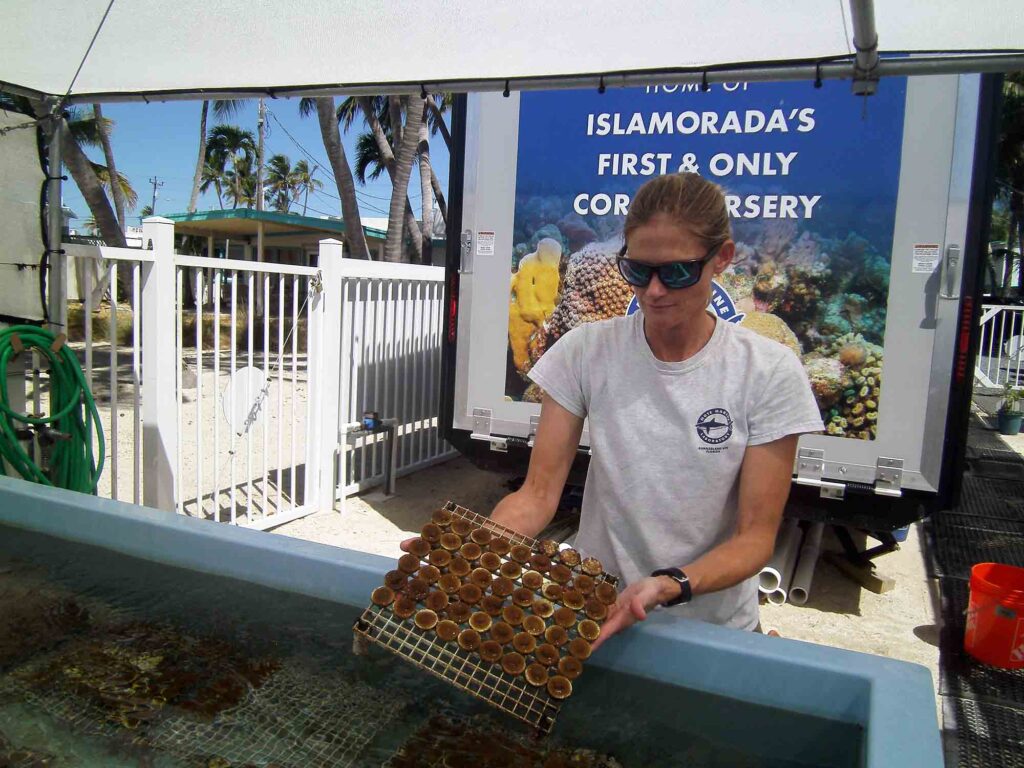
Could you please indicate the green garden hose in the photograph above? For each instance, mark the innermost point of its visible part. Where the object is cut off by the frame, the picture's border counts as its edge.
(72, 422)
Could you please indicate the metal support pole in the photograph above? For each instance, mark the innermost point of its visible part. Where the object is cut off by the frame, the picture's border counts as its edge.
(865, 41)
(57, 279)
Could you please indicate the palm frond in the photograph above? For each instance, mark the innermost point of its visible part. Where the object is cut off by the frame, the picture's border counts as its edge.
(131, 197)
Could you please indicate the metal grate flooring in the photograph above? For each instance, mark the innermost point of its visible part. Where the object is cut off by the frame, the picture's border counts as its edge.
(979, 735)
(983, 707)
(958, 547)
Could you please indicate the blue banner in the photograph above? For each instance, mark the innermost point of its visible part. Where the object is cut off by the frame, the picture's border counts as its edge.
(811, 177)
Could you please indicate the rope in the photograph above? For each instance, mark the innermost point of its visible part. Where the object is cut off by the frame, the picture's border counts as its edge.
(69, 427)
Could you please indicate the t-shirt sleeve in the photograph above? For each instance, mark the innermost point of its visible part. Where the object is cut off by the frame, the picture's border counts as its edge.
(560, 372)
(786, 406)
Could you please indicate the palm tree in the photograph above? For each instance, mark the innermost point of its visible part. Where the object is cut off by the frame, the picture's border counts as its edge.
(1010, 166)
(327, 118)
(280, 185)
(104, 127)
(79, 129)
(241, 181)
(213, 177)
(223, 109)
(380, 112)
(407, 139)
(229, 144)
(304, 182)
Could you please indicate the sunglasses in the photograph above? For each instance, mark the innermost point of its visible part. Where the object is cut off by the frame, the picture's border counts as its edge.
(673, 275)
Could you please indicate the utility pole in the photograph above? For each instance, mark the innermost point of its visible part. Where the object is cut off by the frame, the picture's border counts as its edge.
(156, 184)
(260, 123)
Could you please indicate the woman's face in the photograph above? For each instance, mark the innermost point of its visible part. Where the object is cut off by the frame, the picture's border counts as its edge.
(662, 240)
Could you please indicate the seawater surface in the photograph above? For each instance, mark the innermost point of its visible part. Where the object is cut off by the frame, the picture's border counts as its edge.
(112, 661)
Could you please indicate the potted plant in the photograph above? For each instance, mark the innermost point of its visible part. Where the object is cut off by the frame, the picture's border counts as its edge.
(1009, 414)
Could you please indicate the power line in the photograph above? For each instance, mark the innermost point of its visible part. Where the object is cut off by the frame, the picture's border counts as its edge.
(327, 167)
(363, 205)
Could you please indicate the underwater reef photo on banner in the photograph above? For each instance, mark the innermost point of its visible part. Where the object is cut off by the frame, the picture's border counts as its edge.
(811, 177)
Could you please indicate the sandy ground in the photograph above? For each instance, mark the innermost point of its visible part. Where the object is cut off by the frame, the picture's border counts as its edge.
(213, 459)
(901, 624)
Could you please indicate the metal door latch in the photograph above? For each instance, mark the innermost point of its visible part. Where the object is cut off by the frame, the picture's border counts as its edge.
(466, 252)
(949, 265)
(889, 477)
(810, 468)
(534, 423)
(482, 430)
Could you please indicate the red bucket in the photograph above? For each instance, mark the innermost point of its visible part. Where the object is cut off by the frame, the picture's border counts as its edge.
(995, 615)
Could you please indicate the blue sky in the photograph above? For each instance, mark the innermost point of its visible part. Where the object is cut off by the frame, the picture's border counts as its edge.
(162, 139)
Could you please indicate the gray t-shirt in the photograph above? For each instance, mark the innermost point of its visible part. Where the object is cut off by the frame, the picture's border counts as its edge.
(668, 441)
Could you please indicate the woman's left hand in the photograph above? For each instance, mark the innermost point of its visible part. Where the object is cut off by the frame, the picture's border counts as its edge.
(631, 607)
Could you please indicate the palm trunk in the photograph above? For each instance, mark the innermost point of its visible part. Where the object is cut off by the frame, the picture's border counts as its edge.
(400, 182)
(92, 190)
(441, 125)
(383, 147)
(197, 179)
(395, 111)
(343, 176)
(387, 157)
(220, 195)
(108, 153)
(426, 193)
(442, 205)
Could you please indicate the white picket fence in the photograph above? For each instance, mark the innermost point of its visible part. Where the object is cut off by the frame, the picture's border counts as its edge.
(233, 398)
(1001, 347)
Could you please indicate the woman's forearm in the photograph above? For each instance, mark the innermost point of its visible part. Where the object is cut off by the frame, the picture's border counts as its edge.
(523, 512)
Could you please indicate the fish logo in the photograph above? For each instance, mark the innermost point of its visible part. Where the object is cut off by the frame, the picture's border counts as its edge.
(721, 304)
(714, 426)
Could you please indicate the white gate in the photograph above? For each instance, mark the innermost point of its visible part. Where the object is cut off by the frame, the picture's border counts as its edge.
(244, 399)
(389, 361)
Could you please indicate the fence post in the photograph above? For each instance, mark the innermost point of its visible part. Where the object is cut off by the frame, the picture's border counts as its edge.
(159, 375)
(324, 373)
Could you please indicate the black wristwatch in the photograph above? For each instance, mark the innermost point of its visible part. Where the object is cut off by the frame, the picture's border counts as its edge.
(685, 590)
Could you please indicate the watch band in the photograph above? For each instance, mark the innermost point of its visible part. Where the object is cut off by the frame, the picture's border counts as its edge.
(685, 590)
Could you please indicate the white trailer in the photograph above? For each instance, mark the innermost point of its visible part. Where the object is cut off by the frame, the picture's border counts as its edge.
(859, 224)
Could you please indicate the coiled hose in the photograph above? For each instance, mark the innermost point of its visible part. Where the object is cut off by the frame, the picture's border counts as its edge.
(72, 422)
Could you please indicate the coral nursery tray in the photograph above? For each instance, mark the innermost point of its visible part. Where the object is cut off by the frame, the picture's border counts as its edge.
(502, 616)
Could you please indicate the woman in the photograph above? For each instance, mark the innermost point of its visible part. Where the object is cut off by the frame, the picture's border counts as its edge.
(693, 424)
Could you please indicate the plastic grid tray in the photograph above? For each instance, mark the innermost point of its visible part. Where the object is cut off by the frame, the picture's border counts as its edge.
(465, 669)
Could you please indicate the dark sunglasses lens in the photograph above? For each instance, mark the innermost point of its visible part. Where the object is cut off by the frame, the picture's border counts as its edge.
(680, 274)
(633, 273)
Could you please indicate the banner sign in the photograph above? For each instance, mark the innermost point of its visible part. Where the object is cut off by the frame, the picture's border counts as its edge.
(811, 176)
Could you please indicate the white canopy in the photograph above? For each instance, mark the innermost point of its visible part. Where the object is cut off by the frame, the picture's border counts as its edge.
(151, 48)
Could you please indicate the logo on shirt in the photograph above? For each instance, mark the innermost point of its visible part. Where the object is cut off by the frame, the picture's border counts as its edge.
(721, 304)
(714, 426)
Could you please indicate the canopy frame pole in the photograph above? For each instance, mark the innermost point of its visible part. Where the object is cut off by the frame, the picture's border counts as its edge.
(841, 68)
(865, 41)
(56, 277)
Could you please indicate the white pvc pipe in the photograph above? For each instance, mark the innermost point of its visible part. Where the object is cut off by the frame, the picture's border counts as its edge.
(800, 589)
(777, 597)
(787, 544)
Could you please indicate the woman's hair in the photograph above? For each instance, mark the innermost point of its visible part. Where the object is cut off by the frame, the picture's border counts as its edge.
(689, 200)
